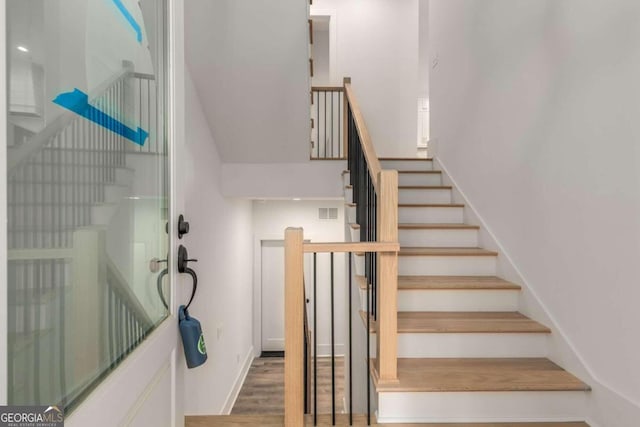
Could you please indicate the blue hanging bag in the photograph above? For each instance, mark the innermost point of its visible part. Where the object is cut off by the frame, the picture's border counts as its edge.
(195, 351)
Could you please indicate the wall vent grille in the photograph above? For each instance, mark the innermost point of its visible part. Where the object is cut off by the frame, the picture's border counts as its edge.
(328, 213)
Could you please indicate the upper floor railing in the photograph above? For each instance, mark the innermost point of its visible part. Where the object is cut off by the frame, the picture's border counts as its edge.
(328, 118)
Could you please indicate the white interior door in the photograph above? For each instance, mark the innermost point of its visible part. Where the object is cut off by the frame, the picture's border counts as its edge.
(272, 294)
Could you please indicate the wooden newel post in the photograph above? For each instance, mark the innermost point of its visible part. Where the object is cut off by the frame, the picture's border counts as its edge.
(387, 301)
(293, 328)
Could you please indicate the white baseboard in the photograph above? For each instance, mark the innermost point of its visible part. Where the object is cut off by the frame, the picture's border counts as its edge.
(324, 350)
(237, 384)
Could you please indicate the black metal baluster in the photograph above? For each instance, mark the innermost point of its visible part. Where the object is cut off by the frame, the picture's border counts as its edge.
(340, 136)
(318, 123)
(333, 352)
(324, 136)
(315, 341)
(332, 124)
(368, 359)
(350, 346)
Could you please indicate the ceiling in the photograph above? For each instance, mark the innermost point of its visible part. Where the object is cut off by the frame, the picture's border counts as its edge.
(249, 63)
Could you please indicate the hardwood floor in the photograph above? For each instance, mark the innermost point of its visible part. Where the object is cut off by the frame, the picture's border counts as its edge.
(342, 420)
(263, 389)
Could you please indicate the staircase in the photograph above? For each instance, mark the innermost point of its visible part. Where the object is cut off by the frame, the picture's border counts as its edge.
(465, 353)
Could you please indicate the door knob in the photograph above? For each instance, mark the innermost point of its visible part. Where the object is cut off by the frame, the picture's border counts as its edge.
(183, 259)
(183, 226)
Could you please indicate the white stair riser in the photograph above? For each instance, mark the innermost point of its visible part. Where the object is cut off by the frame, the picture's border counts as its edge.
(447, 265)
(407, 165)
(431, 215)
(449, 238)
(458, 300)
(469, 345)
(354, 233)
(101, 214)
(358, 261)
(435, 196)
(511, 407)
(348, 195)
(346, 180)
(419, 179)
(350, 213)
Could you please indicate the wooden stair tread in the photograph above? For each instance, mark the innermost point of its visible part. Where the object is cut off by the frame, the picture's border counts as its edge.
(437, 226)
(459, 322)
(428, 251)
(427, 283)
(454, 282)
(480, 374)
(424, 187)
(431, 205)
(264, 420)
(417, 159)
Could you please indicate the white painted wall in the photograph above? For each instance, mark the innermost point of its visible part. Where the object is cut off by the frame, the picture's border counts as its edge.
(221, 239)
(320, 55)
(377, 46)
(319, 180)
(270, 219)
(250, 64)
(535, 106)
(423, 49)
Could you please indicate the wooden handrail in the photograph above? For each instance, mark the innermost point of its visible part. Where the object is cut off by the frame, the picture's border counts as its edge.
(363, 132)
(327, 89)
(352, 247)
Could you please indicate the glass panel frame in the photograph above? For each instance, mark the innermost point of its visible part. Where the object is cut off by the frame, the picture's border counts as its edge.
(88, 192)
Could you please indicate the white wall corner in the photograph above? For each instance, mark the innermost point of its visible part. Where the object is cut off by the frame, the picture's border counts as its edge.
(237, 384)
(605, 404)
(333, 40)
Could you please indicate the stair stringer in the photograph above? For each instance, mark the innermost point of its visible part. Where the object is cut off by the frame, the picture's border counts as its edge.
(622, 410)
